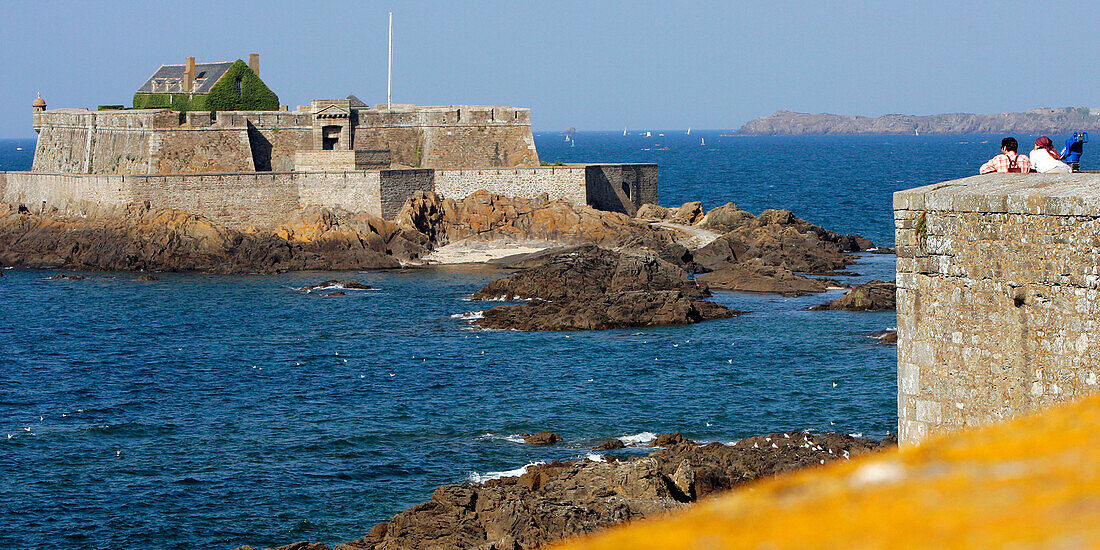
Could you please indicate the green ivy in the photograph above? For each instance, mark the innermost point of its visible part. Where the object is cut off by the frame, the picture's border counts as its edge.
(176, 102)
(239, 89)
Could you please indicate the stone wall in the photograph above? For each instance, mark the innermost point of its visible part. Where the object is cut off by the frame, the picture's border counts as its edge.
(158, 141)
(261, 199)
(559, 182)
(621, 187)
(998, 309)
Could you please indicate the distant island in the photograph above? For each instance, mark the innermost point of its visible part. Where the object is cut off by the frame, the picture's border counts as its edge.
(1033, 122)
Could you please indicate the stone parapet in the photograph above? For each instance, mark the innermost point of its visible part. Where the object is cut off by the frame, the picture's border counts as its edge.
(263, 199)
(998, 307)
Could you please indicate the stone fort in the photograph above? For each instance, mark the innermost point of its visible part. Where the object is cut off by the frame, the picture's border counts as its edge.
(998, 297)
(252, 168)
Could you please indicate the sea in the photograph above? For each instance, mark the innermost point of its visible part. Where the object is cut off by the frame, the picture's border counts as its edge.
(212, 411)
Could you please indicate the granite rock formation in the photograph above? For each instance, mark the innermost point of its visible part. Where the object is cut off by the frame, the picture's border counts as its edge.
(873, 295)
(768, 253)
(1033, 122)
(136, 238)
(553, 501)
(591, 288)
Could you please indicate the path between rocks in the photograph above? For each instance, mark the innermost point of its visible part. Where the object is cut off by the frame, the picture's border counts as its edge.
(698, 237)
(471, 251)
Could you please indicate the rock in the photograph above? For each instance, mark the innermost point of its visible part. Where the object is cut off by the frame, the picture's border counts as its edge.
(756, 276)
(67, 277)
(148, 278)
(586, 270)
(301, 545)
(610, 444)
(337, 283)
(562, 499)
(883, 250)
(542, 438)
(605, 311)
(668, 440)
(687, 214)
(590, 288)
(683, 479)
(874, 295)
(135, 238)
(652, 212)
(725, 218)
(336, 293)
(886, 337)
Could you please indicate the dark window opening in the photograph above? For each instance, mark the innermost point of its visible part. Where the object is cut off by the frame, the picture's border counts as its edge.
(330, 137)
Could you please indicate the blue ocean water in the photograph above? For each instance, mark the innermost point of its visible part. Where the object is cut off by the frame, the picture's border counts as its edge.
(214, 411)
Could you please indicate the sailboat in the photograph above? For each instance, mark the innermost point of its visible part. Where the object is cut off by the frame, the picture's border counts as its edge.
(624, 131)
(915, 132)
(649, 134)
(702, 141)
(689, 130)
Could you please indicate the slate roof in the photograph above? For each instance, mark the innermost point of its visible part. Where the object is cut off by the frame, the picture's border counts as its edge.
(169, 78)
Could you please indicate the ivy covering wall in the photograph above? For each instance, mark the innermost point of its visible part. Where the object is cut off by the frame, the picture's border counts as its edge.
(239, 89)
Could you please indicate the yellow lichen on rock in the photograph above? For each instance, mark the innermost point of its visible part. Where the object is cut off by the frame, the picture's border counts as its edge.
(1030, 483)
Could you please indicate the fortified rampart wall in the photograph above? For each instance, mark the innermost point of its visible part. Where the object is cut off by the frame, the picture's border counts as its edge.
(157, 141)
(264, 199)
(998, 300)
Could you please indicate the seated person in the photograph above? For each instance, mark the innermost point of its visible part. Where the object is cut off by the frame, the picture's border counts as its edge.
(1045, 160)
(1008, 160)
(1071, 153)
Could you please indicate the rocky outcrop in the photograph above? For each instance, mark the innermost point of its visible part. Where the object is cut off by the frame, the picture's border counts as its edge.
(553, 501)
(1034, 122)
(135, 238)
(591, 288)
(874, 295)
(484, 217)
(542, 438)
(757, 276)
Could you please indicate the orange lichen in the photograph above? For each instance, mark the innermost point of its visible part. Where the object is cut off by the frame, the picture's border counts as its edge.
(1032, 482)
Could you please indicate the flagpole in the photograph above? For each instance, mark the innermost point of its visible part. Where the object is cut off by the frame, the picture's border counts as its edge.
(389, 66)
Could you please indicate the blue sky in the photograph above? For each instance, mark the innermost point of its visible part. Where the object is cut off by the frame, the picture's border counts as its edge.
(592, 65)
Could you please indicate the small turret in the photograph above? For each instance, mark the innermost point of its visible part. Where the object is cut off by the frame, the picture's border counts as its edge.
(38, 107)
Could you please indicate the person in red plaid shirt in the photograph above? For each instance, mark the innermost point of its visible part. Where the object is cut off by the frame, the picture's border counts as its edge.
(1008, 160)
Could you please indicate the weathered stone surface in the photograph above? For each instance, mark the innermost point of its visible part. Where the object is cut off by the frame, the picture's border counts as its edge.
(874, 295)
(542, 438)
(337, 283)
(590, 288)
(560, 499)
(725, 218)
(757, 276)
(139, 239)
(605, 311)
(148, 278)
(610, 444)
(997, 298)
(588, 270)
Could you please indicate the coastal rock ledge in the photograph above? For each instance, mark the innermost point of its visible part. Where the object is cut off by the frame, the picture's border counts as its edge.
(550, 502)
(591, 288)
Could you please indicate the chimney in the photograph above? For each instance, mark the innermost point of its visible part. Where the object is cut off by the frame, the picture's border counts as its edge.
(189, 75)
(254, 63)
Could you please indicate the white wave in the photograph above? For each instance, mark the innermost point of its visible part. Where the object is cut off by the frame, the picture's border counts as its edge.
(514, 438)
(594, 457)
(475, 477)
(638, 438)
(469, 315)
(334, 286)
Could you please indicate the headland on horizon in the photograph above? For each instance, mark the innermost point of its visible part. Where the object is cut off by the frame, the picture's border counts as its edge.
(1046, 120)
